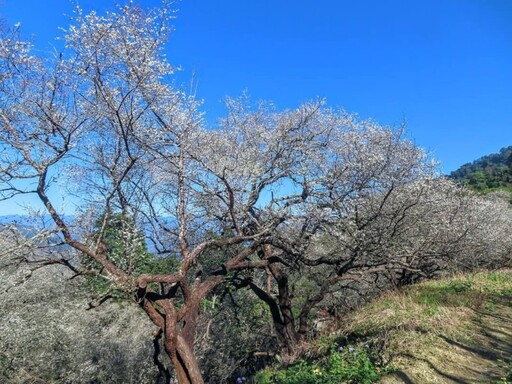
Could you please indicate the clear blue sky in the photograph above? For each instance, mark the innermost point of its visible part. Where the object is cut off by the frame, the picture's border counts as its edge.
(443, 65)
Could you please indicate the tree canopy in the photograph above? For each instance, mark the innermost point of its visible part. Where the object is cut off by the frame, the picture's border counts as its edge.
(487, 173)
(292, 207)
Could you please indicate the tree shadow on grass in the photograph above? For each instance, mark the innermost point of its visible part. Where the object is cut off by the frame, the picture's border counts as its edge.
(450, 378)
(484, 352)
(401, 375)
(494, 348)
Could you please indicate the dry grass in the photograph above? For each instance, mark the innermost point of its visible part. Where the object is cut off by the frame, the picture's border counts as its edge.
(451, 330)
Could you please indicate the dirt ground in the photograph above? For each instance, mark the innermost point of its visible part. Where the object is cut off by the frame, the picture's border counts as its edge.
(485, 358)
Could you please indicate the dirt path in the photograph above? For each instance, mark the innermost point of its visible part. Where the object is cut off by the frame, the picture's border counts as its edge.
(486, 357)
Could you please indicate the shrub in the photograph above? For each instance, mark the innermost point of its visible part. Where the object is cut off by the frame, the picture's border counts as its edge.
(348, 364)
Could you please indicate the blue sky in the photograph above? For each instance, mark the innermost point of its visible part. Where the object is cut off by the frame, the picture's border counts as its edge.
(445, 66)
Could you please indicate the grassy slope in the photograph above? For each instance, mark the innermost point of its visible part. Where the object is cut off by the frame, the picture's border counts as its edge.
(456, 330)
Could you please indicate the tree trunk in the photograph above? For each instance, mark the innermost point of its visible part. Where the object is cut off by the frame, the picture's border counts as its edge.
(286, 328)
(178, 337)
(183, 360)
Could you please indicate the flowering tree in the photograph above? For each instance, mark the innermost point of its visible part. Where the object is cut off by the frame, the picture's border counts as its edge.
(258, 194)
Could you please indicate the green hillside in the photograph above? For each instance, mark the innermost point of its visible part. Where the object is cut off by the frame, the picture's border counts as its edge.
(490, 172)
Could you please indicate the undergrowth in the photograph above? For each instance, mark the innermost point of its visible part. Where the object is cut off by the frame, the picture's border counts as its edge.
(349, 364)
(404, 329)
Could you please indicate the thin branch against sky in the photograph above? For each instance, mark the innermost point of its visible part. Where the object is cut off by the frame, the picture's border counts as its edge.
(444, 67)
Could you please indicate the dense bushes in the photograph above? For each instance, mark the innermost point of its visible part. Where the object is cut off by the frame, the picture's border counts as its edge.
(47, 335)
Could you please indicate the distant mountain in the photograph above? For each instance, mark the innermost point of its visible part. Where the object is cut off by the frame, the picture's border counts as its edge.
(14, 219)
(27, 225)
(487, 173)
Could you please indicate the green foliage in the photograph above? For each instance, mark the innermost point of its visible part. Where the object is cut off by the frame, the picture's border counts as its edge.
(348, 364)
(6, 369)
(235, 325)
(126, 247)
(507, 376)
(488, 173)
(159, 265)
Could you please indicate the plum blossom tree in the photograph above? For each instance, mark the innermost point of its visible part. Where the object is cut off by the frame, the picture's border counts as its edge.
(266, 192)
